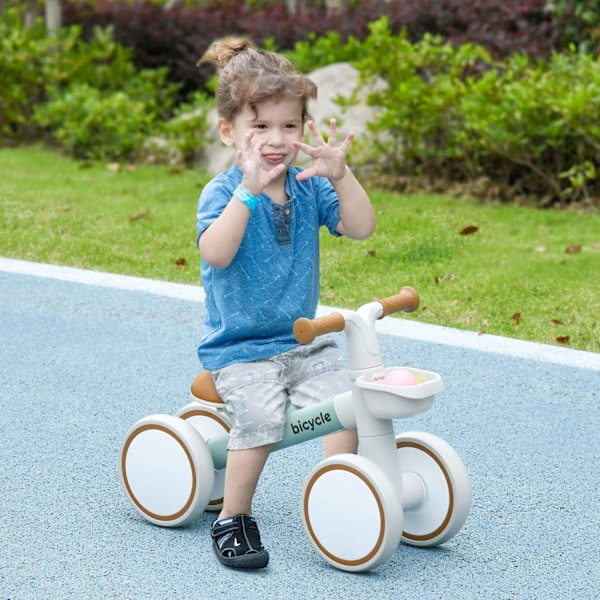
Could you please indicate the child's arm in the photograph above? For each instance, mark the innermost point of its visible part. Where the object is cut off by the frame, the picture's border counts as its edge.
(357, 219)
(220, 242)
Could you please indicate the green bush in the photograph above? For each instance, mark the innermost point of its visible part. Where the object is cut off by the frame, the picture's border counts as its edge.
(317, 52)
(22, 53)
(578, 22)
(420, 118)
(540, 124)
(103, 107)
(95, 125)
(445, 112)
(88, 97)
(453, 113)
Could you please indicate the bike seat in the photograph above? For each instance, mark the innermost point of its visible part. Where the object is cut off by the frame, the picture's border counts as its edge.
(203, 388)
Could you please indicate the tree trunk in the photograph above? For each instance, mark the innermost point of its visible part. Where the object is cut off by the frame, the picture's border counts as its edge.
(31, 13)
(291, 6)
(333, 7)
(53, 16)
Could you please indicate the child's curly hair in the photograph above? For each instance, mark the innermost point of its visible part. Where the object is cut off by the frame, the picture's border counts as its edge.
(248, 76)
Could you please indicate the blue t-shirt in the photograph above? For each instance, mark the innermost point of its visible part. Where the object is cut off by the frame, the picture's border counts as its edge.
(252, 304)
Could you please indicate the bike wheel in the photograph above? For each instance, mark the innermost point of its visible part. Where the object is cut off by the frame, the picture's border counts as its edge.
(166, 470)
(444, 495)
(210, 423)
(351, 512)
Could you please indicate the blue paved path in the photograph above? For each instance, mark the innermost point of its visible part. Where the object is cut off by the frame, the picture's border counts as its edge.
(83, 356)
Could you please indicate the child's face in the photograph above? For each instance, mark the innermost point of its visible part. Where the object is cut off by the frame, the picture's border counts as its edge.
(277, 122)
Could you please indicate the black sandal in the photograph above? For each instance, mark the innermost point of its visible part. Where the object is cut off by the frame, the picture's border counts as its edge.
(236, 542)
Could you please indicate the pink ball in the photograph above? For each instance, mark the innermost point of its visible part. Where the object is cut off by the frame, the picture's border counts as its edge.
(400, 377)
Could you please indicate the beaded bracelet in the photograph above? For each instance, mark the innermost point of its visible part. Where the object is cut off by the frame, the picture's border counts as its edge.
(243, 195)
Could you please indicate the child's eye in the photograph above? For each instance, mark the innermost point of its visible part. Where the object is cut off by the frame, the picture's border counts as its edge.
(260, 126)
(291, 126)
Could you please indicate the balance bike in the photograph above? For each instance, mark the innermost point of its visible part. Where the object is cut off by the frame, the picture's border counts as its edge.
(356, 509)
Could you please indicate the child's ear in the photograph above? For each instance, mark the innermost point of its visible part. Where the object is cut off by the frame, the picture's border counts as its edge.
(224, 126)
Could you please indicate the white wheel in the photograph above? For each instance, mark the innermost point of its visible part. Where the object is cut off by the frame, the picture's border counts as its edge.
(210, 423)
(437, 490)
(166, 470)
(351, 512)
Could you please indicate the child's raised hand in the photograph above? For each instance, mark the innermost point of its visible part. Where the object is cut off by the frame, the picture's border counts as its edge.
(248, 159)
(329, 160)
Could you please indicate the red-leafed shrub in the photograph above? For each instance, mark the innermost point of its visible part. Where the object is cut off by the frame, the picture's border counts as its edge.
(176, 36)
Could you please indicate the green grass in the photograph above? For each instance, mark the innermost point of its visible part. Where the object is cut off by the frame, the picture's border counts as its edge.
(512, 277)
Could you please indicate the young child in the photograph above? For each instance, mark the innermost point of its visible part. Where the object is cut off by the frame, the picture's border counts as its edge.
(258, 234)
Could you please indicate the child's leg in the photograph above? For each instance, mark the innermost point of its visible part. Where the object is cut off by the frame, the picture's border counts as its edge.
(236, 539)
(241, 478)
(257, 401)
(316, 373)
(341, 442)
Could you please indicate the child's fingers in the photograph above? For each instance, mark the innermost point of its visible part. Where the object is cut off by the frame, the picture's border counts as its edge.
(346, 143)
(306, 174)
(332, 132)
(274, 172)
(316, 134)
(304, 148)
(248, 140)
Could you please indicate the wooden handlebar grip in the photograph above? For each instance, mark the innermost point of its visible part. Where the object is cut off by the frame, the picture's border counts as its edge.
(407, 299)
(306, 330)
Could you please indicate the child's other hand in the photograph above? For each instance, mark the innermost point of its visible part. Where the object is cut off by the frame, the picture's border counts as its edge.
(249, 160)
(329, 160)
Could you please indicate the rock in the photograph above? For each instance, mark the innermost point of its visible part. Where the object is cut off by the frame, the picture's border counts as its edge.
(159, 151)
(334, 81)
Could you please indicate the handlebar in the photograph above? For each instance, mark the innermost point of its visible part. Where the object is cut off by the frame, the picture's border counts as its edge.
(407, 300)
(306, 330)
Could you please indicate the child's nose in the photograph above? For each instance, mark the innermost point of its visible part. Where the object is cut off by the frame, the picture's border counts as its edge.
(276, 137)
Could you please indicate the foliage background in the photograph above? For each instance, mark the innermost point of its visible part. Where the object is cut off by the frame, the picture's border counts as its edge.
(494, 99)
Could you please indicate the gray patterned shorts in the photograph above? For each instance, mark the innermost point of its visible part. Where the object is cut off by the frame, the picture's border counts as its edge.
(257, 393)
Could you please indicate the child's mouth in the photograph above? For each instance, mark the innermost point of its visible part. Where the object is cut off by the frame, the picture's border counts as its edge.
(274, 159)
